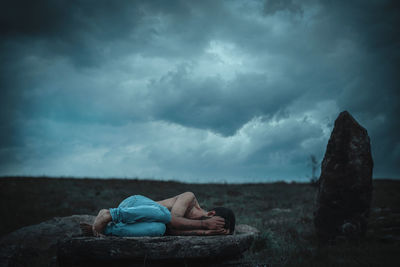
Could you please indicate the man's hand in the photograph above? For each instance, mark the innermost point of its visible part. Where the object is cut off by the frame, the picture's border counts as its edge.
(214, 223)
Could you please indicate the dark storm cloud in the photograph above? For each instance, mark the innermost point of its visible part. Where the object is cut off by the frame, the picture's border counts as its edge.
(219, 79)
(83, 30)
(67, 27)
(371, 89)
(214, 104)
(273, 6)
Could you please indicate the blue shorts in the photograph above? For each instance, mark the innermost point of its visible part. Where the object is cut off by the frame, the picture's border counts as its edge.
(138, 216)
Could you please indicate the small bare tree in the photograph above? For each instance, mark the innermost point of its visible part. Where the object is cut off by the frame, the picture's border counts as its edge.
(314, 167)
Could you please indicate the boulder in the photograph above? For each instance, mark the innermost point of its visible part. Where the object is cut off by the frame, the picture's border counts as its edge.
(36, 245)
(59, 242)
(345, 185)
(83, 250)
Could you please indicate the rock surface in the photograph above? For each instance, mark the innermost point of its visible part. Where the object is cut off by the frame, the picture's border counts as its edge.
(78, 250)
(37, 245)
(345, 185)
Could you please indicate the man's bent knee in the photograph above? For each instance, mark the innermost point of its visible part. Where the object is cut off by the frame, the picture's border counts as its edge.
(188, 194)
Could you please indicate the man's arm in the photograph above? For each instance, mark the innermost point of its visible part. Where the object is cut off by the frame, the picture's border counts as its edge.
(181, 223)
(182, 203)
(198, 232)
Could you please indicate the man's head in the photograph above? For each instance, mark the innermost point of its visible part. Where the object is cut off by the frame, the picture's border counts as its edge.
(228, 216)
(197, 213)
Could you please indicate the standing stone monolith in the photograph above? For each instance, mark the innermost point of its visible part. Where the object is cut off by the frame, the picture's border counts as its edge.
(345, 185)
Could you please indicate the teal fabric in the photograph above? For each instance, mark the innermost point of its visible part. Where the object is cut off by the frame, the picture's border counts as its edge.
(138, 216)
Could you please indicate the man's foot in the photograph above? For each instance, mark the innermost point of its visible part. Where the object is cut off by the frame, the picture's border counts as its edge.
(101, 221)
(87, 229)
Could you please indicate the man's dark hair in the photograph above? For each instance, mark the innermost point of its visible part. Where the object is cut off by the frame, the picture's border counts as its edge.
(229, 217)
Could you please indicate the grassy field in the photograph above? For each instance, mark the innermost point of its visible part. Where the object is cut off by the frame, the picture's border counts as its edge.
(282, 212)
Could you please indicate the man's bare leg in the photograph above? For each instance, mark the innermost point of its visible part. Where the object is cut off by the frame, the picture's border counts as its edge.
(100, 223)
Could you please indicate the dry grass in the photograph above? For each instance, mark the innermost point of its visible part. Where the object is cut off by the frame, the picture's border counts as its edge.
(282, 212)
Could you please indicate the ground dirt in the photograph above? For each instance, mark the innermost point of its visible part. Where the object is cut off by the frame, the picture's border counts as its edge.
(282, 212)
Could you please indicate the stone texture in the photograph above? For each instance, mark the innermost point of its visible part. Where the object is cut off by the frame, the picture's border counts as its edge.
(38, 245)
(81, 250)
(345, 185)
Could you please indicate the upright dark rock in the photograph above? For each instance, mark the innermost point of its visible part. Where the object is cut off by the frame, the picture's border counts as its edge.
(345, 184)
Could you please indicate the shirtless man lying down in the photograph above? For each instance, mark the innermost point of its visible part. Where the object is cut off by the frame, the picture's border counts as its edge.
(180, 215)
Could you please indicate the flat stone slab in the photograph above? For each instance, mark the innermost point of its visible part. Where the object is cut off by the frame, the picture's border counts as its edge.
(76, 249)
(41, 244)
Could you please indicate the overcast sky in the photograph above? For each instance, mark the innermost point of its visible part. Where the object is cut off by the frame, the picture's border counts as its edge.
(196, 91)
